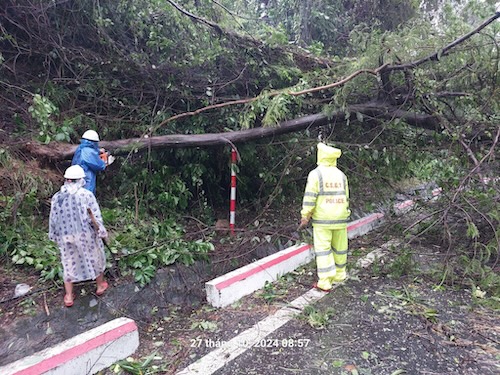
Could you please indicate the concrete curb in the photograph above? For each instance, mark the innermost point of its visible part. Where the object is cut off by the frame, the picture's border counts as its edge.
(230, 287)
(226, 289)
(362, 226)
(255, 336)
(403, 207)
(83, 354)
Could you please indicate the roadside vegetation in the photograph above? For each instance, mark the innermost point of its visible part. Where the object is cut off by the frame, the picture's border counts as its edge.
(131, 69)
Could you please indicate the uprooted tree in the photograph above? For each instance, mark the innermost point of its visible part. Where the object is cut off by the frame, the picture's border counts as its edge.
(403, 100)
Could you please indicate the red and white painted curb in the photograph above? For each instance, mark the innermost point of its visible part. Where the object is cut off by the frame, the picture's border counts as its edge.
(224, 290)
(227, 289)
(230, 287)
(87, 353)
(404, 207)
(362, 226)
(259, 334)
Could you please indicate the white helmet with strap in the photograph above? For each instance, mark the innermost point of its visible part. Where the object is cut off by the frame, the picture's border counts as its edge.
(91, 135)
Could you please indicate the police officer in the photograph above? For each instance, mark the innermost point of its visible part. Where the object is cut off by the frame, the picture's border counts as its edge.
(326, 201)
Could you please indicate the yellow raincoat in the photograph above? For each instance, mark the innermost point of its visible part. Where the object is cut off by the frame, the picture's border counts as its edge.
(326, 200)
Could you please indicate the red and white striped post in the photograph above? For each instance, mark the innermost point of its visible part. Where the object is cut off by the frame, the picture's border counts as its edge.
(232, 205)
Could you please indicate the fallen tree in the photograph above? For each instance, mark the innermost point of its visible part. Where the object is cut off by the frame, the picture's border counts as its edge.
(62, 151)
(379, 111)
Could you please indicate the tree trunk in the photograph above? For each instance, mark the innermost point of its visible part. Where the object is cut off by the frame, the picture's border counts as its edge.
(304, 21)
(64, 151)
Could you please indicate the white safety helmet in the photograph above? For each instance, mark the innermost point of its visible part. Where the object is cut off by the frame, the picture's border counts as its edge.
(75, 172)
(91, 135)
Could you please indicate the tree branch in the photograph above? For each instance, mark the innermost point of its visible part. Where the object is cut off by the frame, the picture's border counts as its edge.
(443, 51)
(375, 72)
(196, 18)
(271, 94)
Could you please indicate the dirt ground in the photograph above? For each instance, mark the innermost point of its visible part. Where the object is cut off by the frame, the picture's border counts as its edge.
(379, 322)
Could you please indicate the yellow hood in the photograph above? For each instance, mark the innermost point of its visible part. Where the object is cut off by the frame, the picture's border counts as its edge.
(328, 155)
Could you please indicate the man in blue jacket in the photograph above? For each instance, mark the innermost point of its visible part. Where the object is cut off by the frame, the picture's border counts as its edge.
(87, 156)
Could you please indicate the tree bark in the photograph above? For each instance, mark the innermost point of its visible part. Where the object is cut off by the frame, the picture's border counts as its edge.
(305, 19)
(63, 151)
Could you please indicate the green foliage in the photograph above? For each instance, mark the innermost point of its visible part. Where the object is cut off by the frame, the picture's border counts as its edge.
(442, 168)
(141, 248)
(168, 184)
(145, 366)
(317, 319)
(43, 111)
(276, 110)
(472, 230)
(126, 66)
(22, 238)
(480, 275)
(146, 246)
(411, 300)
(473, 269)
(269, 292)
(204, 325)
(36, 251)
(268, 109)
(317, 48)
(273, 36)
(263, 184)
(160, 190)
(403, 264)
(25, 242)
(377, 267)
(403, 161)
(28, 306)
(308, 22)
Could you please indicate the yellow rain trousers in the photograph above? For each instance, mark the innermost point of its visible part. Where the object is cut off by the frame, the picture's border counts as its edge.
(326, 200)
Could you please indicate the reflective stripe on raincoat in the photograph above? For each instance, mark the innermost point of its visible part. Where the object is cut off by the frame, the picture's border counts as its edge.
(326, 197)
(87, 156)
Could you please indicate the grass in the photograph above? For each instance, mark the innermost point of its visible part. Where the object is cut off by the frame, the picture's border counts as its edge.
(315, 318)
(403, 264)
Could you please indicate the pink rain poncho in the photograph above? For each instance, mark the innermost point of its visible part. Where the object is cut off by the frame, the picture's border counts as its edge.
(70, 226)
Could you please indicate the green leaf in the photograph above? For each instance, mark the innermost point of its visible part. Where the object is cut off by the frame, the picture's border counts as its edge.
(472, 230)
